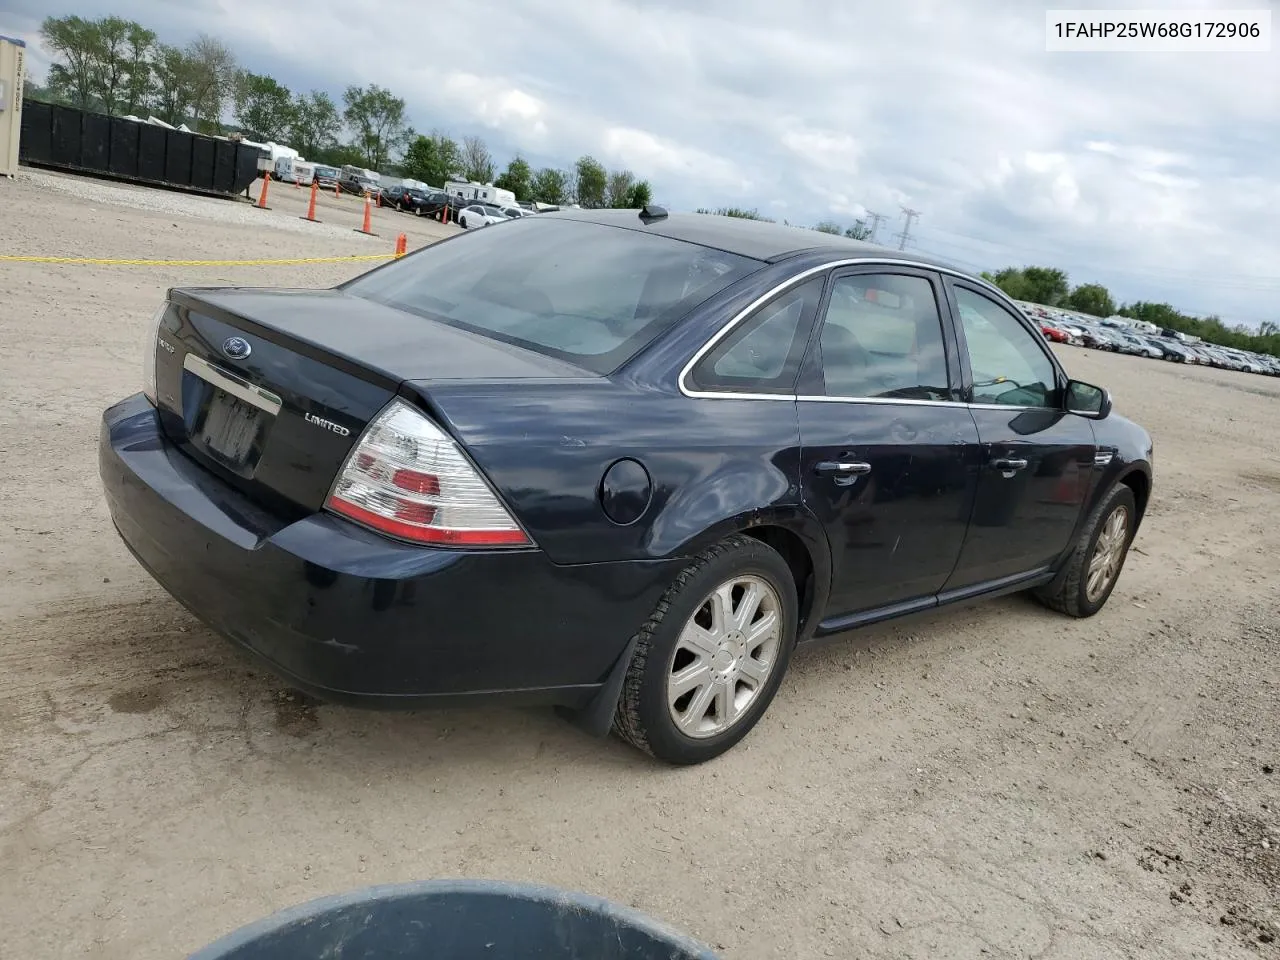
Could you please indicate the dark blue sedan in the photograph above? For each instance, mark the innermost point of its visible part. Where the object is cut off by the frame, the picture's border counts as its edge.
(619, 462)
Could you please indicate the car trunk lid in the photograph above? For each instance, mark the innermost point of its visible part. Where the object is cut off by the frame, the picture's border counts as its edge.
(270, 389)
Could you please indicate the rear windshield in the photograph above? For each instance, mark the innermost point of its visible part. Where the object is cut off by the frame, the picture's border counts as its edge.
(590, 294)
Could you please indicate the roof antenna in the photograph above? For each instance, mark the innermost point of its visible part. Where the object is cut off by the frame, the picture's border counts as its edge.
(653, 212)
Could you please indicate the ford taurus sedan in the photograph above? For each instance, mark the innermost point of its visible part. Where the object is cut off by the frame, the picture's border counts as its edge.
(622, 463)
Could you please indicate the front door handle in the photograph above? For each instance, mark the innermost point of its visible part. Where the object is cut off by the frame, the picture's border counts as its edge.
(842, 468)
(1009, 465)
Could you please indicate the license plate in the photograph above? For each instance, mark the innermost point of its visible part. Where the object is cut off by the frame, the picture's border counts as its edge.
(231, 427)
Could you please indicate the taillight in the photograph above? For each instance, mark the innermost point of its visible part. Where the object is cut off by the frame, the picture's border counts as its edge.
(149, 353)
(407, 478)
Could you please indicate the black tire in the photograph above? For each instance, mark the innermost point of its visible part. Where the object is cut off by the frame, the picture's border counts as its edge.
(1069, 593)
(643, 717)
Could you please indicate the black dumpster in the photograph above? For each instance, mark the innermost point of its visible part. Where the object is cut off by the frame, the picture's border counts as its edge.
(65, 138)
(457, 920)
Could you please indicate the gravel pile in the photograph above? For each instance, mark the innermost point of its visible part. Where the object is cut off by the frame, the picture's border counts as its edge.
(173, 203)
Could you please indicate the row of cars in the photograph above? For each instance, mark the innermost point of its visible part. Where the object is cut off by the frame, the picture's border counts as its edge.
(465, 213)
(1115, 336)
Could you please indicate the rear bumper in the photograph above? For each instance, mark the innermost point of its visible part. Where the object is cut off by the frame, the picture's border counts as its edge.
(350, 616)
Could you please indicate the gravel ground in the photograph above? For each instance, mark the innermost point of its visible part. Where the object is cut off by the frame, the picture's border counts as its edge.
(992, 781)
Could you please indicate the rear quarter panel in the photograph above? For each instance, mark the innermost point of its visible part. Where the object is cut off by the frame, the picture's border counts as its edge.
(714, 466)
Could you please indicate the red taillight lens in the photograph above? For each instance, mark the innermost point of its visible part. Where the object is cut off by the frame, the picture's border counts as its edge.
(407, 478)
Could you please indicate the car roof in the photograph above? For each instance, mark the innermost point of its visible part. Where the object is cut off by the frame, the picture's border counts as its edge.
(757, 239)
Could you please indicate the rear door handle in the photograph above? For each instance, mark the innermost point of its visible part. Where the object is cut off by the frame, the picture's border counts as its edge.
(1009, 464)
(842, 468)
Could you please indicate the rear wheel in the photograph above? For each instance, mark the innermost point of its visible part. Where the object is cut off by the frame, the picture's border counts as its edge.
(708, 662)
(1095, 564)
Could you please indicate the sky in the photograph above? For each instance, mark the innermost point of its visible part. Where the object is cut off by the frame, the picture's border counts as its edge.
(1157, 175)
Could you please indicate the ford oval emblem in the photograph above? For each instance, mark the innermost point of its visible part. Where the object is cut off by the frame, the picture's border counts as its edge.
(237, 348)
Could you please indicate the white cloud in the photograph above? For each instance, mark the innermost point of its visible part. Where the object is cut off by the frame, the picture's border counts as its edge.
(1148, 172)
(652, 156)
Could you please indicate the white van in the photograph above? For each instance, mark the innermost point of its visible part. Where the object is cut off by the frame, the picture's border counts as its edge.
(294, 170)
(473, 192)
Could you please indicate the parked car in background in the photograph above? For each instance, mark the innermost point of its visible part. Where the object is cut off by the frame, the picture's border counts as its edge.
(1096, 338)
(326, 177)
(359, 181)
(1075, 334)
(1135, 345)
(1170, 350)
(623, 463)
(1052, 332)
(481, 215)
(404, 199)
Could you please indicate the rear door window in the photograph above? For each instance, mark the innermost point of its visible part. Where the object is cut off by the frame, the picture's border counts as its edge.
(590, 294)
(762, 354)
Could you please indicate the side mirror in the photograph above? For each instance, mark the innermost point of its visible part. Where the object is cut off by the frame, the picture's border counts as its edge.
(1086, 400)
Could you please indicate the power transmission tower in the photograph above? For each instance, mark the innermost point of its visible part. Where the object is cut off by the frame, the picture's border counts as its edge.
(875, 219)
(905, 235)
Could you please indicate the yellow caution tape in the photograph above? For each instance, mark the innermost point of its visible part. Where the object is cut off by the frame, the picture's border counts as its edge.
(111, 261)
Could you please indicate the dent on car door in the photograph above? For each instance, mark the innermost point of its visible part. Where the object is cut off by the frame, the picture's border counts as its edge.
(1037, 460)
(885, 438)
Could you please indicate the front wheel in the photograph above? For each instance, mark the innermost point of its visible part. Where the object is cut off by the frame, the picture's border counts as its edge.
(463, 223)
(1095, 564)
(708, 662)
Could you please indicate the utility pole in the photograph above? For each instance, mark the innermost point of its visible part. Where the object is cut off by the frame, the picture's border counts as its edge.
(905, 235)
(875, 219)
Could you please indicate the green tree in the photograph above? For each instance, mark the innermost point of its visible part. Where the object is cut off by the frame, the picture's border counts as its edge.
(550, 186)
(316, 124)
(377, 118)
(174, 75)
(1092, 298)
(212, 75)
(738, 212)
(641, 195)
(477, 162)
(339, 155)
(76, 44)
(1047, 285)
(827, 226)
(432, 159)
(592, 182)
(1044, 285)
(618, 189)
(518, 178)
(121, 73)
(264, 107)
(859, 231)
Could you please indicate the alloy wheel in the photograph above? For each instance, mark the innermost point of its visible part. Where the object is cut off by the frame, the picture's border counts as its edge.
(724, 656)
(1108, 552)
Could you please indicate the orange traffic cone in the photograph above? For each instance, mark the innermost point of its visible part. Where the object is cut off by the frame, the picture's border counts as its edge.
(379, 199)
(311, 207)
(402, 245)
(262, 194)
(337, 191)
(368, 218)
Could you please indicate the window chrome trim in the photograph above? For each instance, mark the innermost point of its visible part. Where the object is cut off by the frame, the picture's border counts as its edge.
(237, 386)
(772, 292)
(891, 401)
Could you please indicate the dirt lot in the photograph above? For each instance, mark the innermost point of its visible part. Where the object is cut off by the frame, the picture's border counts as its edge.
(997, 781)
